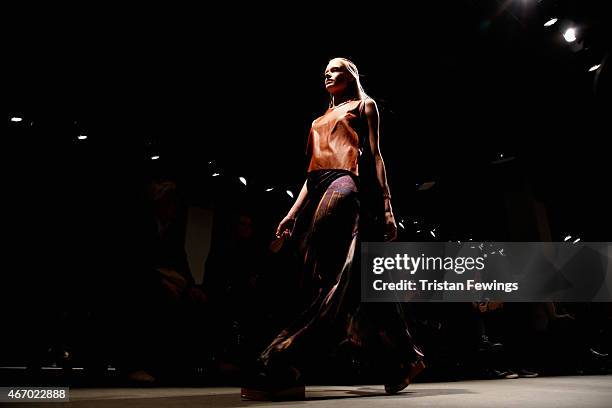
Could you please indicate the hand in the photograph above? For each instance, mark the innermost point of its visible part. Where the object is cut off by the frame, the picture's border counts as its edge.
(285, 227)
(390, 226)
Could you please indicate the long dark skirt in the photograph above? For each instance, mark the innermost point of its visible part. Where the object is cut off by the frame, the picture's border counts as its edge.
(326, 237)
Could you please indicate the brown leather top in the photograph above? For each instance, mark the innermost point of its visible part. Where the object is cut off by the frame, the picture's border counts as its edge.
(335, 138)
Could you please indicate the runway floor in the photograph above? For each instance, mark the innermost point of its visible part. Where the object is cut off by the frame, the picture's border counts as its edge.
(583, 391)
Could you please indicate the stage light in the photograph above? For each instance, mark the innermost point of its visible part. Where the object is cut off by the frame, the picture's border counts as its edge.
(550, 22)
(154, 157)
(270, 189)
(570, 35)
(82, 137)
(418, 231)
(577, 239)
(215, 174)
(401, 225)
(567, 238)
(16, 119)
(242, 180)
(594, 68)
(432, 234)
(289, 193)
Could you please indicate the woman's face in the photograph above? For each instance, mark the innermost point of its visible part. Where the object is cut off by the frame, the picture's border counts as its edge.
(337, 78)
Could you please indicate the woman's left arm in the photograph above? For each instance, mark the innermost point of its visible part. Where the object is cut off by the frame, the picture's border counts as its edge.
(371, 111)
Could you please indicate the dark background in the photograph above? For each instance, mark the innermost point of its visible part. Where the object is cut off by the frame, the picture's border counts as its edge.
(457, 84)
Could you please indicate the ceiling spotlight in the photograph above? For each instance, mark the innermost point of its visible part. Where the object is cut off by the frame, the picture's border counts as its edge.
(82, 137)
(577, 239)
(289, 193)
(550, 22)
(242, 180)
(594, 68)
(401, 225)
(215, 174)
(154, 157)
(567, 238)
(432, 234)
(270, 189)
(570, 35)
(16, 119)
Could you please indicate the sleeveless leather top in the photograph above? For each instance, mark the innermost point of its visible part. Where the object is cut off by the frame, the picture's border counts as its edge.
(335, 139)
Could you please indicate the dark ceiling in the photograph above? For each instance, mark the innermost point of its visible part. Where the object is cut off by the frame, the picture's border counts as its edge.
(458, 83)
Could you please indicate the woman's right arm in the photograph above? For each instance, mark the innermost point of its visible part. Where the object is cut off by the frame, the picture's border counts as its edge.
(286, 225)
(295, 209)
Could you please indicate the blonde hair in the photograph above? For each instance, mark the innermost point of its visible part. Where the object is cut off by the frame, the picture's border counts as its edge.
(352, 69)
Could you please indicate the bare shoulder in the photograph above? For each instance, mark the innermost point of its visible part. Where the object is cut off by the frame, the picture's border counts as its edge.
(318, 118)
(370, 108)
(315, 120)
